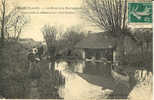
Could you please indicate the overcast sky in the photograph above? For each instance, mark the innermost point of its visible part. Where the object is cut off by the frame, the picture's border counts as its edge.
(63, 21)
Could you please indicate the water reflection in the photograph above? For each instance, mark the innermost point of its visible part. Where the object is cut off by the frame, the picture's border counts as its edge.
(78, 88)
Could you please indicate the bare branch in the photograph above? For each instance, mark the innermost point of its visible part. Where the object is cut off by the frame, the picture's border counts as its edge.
(107, 14)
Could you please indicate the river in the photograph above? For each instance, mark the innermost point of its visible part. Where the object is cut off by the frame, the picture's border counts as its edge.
(80, 86)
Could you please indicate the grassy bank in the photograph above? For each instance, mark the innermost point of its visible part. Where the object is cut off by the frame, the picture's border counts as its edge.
(16, 80)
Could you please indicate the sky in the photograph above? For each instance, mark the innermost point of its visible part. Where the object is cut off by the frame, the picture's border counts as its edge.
(62, 21)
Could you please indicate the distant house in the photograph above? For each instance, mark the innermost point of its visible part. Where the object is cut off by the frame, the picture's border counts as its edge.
(97, 46)
(97, 49)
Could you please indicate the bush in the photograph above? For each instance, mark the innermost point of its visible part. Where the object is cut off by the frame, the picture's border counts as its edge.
(14, 76)
(141, 55)
(139, 60)
(48, 84)
(15, 81)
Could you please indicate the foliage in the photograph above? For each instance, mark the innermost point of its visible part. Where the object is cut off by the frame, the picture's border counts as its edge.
(139, 60)
(70, 38)
(142, 57)
(15, 79)
(110, 15)
(14, 76)
(144, 37)
(48, 83)
(61, 44)
(50, 35)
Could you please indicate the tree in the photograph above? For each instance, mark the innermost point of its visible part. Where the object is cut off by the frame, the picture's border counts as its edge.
(15, 23)
(110, 15)
(12, 22)
(50, 35)
(70, 38)
(3, 14)
(144, 36)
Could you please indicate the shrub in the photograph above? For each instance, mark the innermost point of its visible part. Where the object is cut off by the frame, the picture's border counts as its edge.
(139, 60)
(14, 76)
(48, 84)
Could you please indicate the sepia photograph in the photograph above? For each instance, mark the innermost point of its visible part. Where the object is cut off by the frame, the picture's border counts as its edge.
(76, 49)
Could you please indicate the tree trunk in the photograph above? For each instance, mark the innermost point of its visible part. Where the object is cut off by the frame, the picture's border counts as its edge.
(120, 49)
(52, 60)
(3, 21)
(53, 66)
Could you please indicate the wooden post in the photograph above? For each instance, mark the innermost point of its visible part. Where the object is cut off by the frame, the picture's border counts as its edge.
(114, 56)
(83, 54)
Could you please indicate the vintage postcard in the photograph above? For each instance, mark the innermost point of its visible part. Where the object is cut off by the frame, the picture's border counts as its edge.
(76, 49)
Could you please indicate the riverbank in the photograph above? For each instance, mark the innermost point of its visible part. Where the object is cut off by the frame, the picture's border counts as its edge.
(81, 86)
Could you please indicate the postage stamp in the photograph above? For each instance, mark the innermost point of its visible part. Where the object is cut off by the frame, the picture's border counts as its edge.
(140, 12)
